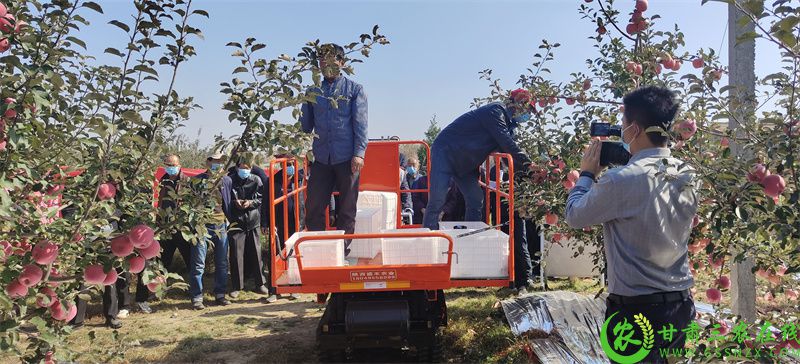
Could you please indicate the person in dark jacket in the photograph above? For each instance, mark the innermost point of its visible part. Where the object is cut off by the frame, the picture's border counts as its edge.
(420, 199)
(242, 209)
(523, 265)
(171, 183)
(454, 208)
(464, 145)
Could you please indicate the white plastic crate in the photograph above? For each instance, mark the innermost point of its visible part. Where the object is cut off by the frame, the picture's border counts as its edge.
(368, 221)
(315, 253)
(386, 202)
(471, 225)
(483, 255)
(410, 250)
(559, 261)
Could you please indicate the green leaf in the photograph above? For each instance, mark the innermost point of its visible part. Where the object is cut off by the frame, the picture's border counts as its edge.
(239, 70)
(94, 6)
(120, 25)
(77, 41)
(201, 12)
(114, 51)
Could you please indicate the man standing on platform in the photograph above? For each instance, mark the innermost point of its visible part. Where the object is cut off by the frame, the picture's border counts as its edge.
(338, 116)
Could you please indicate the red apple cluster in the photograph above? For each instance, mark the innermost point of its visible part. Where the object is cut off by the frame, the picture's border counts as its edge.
(637, 22)
(8, 25)
(773, 183)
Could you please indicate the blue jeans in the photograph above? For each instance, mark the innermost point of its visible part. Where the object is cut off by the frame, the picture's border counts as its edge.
(441, 174)
(217, 235)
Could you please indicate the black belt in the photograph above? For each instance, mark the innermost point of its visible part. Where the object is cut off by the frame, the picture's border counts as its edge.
(649, 299)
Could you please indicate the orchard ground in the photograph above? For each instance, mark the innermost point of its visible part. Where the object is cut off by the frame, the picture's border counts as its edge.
(251, 331)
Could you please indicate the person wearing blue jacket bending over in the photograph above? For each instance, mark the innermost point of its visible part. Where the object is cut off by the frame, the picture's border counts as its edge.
(464, 145)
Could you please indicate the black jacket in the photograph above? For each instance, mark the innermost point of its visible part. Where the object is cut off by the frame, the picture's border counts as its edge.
(469, 139)
(244, 189)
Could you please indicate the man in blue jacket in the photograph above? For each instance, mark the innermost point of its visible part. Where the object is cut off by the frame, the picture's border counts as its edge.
(338, 115)
(461, 148)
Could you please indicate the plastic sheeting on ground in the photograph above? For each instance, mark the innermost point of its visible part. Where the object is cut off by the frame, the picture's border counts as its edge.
(571, 321)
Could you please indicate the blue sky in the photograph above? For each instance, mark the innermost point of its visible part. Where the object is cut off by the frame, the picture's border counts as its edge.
(437, 50)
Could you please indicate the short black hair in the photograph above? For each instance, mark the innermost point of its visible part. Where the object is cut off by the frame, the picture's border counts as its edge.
(652, 106)
(336, 49)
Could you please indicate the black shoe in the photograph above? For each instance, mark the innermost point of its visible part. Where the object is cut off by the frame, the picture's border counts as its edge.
(113, 323)
(222, 301)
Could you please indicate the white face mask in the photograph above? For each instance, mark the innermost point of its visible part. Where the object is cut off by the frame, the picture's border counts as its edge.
(622, 136)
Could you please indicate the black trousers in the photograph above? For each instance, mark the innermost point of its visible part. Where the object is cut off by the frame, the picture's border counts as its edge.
(168, 253)
(245, 258)
(110, 307)
(523, 265)
(661, 315)
(323, 179)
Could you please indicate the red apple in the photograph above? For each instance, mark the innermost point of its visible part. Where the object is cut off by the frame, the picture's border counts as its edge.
(111, 277)
(724, 282)
(5, 45)
(542, 103)
(19, 26)
(587, 84)
(631, 29)
(59, 314)
(6, 23)
(638, 69)
(716, 74)
(15, 289)
(3, 10)
(695, 221)
(106, 191)
(568, 185)
(687, 129)
(773, 185)
(757, 173)
(570, 101)
(551, 219)
(676, 65)
(31, 275)
(573, 175)
(94, 274)
(641, 5)
(791, 294)
(630, 66)
(151, 251)
(698, 62)
(121, 246)
(601, 30)
(724, 328)
(557, 238)
(774, 279)
(724, 142)
(715, 263)
(10, 114)
(155, 283)
(141, 236)
(763, 273)
(46, 297)
(136, 264)
(713, 295)
(658, 69)
(45, 252)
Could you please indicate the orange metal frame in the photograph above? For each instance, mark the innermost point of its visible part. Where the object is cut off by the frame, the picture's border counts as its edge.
(381, 173)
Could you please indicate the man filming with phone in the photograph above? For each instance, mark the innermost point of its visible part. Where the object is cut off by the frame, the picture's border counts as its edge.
(646, 208)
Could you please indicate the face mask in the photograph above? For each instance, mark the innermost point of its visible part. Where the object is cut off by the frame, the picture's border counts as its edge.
(290, 171)
(244, 173)
(521, 118)
(172, 170)
(411, 170)
(215, 167)
(622, 136)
